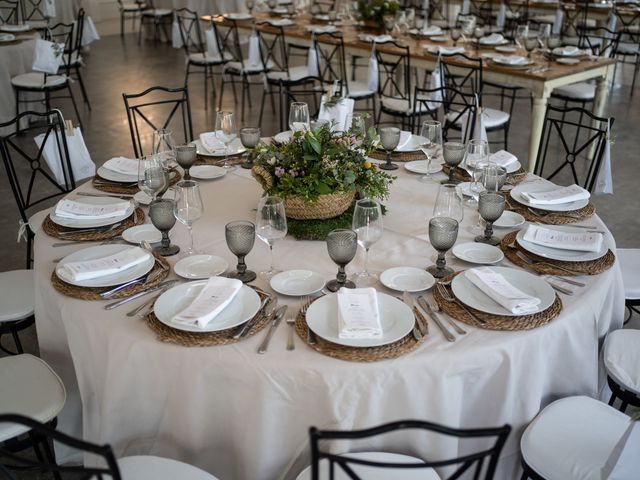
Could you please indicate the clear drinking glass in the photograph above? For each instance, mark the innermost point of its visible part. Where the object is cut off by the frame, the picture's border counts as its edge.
(367, 223)
(250, 4)
(522, 32)
(152, 178)
(271, 225)
(455, 36)
(453, 153)
(186, 156)
(226, 132)
(389, 137)
(250, 138)
(357, 124)
(491, 207)
(298, 116)
(431, 143)
(240, 236)
(164, 146)
(188, 207)
(476, 156)
(162, 217)
(342, 245)
(443, 233)
(448, 203)
(493, 177)
(530, 44)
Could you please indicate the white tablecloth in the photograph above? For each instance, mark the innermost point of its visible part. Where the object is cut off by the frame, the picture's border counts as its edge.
(242, 415)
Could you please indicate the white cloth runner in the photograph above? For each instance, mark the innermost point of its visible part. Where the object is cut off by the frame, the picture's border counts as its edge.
(101, 267)
(580, 241)
(493, 39)
(358, 314)
(373, 74)
(210, 142)
(124, 165)
(214, 297)
(557, 196)
(501, 291)
(502, 16)
(503, 158)
(312, 60)
(88, 211)
(436, 82)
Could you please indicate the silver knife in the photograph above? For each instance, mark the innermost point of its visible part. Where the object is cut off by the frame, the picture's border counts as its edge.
(408, 299)
(113, 195)
(168, 283)
(274, 324)
(242, 331)
(447, 334)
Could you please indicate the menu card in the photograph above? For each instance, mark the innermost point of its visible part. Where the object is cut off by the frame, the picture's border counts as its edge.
(100, 267)
(88, 211)
(126, 166)
(501, 291)
(557, 196)
(564, 240)
(502, 158)
(358, 315)
(214, 297)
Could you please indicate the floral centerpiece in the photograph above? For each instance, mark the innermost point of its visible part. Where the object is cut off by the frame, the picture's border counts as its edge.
(318, 172)
(374, 10)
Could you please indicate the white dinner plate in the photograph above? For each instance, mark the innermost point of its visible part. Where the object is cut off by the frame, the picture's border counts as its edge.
(25, 27)
(100, 251)
(420, 166)
(238, 16)
(116, 176)
(283, 137)
(464, 189)
(509, 219)
(207, 172)
(396, 320)
(473, 297)
(243, 307)
(297, 282)
(568, 60)
(410, 279)
(413, 145)
(439, 38)
(140, 233)
(82, 223)
(235, 148)
(143, 199)
(559, 52)
(7, 37)
(506, 49)
(504, 41)
(503, 63)
(558, 253)
(479, 253)
(196, 267)
(516, 194)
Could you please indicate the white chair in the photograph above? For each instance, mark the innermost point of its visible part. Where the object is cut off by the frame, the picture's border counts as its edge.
(629, 261)
(621, 354)
(572, 438)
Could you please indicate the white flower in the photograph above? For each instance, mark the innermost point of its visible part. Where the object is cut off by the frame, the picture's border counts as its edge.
(272, 161)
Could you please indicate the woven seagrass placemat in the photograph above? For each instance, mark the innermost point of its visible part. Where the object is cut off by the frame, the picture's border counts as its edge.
(367, 354)
(553, 218)
(398, 156)
(161, 268)
(165, 333)
(553, 267)
(219, 161)
(54, 230)
(129, 189)
(496, 322)
(462, 175)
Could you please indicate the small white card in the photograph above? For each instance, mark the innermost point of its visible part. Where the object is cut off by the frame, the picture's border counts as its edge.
(559, 195)
(580, 241)
(124, 165)
(72, 209)
(358, 315)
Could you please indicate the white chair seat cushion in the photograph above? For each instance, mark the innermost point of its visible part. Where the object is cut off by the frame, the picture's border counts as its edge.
(373, 473)
(402, 105)
(238, 67)
(133, 7)
(200, 59)
(622, 358)
(30, 388)
(572, 438)
(145, 467)
(295, 74)
(157, 12)
(544, 18)
(577, 91)
(36, 80)
(17, 295)
(491, 118)
(629, 48)
(359, 89)
(629, 261)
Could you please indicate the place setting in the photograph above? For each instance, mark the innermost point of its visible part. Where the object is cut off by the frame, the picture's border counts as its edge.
(399, 146)
(463, 169)
(220, 150)
(123, 176)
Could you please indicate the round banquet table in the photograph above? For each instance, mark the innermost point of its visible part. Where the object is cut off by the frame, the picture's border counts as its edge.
(241, 415)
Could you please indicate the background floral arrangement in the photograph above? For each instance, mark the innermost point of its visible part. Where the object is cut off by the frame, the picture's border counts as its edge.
(375, 9)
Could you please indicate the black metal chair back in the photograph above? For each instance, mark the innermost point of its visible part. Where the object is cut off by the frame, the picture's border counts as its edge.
(8, 12)
(77, 43)
(600, 40)
(394, 62)
(483, 10)
(156, 108)
(438, 9)
(32, 10)
(273, 47)
(63, 33)
(463, 73)
(574, 146)
(455, 110)
(229, 40)
(332, 60)
(190, 33)
(482, 462)
(101, 455)
(321, 7)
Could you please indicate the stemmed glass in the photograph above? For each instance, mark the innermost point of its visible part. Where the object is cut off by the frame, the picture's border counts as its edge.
(164, 146)
(240, 236)
(476, 156)
(522, 32)
(186, 156)
(530, 44)
(367, 223)
(152, 177)
(431, 142)
(161, 214)
(250, 4)
(553, 42)
(448, 203)
(342, 245)
(188, 207)
(250, 137)
(226, 132)
(443, 233)
(478, 33)
(453, 153)
(390, 137)
(271, 225)
(455, 36)
(298, 116)
(491, 207)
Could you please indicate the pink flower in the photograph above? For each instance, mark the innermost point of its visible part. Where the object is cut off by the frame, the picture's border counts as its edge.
(293, 173)
(279, 172)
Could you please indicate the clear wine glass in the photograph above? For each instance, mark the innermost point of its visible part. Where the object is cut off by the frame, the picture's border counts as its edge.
(455, 36)
(240, 236)
(367, 223)
(186, 156)
(342, 245)
(161, 214)
(226, 132)
(476, 156)
(453, 153)
(530, 44)
(448, 203)
(389, 137)
(431, 143)
(443, 233)
(250, 138)
(298, 117)
(250, 4)
(271, 226)
(188, 207)
(152, 178)
(164, 146)
(491, 206)
(522, 32)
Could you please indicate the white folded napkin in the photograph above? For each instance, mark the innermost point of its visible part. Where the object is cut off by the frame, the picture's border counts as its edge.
(281, 22)
(568, 51)
(501, 291)
(580, 241)
(210, 142)
(503, 158)
(493, 39)
(214, 297)
(67, 208)
(124, 165)
(444, 50)
(557, 196)
(101, 267)
(337, 114)
(510, 59)
(358, 315)
(321, 28)
(431, 30)
(375, 38)
(254, 51)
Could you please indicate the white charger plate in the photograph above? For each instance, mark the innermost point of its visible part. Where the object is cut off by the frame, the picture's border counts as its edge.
(509, 219)
(420, 166)
(207, 172)
(559, 253)
(296, 283)
(81, 223)
(25, 27)
(116, 176)
(498, 60)
(410, 279)
(283, 137)
(473, 297)
(243, 307)
(196, 267)
(516, 194)
(100, 251)
(235, 148)
(396, 319)
(479, 253)
(7, 37)
(140, 233)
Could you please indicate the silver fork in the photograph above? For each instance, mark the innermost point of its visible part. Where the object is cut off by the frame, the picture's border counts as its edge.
(291, 322)
(311, 337)
(442, 290)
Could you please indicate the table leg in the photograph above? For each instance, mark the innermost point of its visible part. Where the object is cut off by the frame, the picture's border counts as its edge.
(537, 122)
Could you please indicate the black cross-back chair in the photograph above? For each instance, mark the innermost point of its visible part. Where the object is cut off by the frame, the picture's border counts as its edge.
(572, 143)
(482, 462)
(32, 13)
(455, 110)
(73, 59)
(323, 6)
(516, 14)
(143, 113)
(8, 12)
(628, 51)
(438, 13)
(483, 10)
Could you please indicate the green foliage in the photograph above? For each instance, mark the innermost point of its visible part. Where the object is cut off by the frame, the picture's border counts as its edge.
(375, 9)
(318, 229)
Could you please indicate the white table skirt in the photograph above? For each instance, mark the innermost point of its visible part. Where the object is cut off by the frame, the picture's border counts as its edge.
(241, 415)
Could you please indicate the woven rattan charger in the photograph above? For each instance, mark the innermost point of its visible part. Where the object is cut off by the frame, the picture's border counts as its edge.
(462, 175)
(219, 161)
(552, 218)
(398, 156)
(108, 186)
(57, 231)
